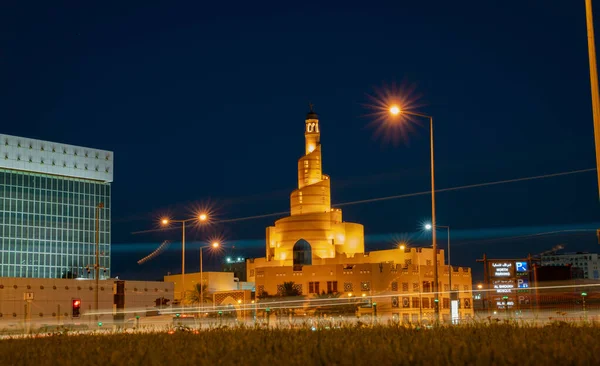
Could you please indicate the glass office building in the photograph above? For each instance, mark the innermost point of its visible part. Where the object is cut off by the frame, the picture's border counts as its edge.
(49, 196)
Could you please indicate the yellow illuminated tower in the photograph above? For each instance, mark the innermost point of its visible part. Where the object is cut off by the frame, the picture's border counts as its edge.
(314, 231)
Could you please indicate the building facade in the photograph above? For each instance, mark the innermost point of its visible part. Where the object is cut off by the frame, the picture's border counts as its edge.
(320, 253)
(588, 262)
(50, 300)
(49, 196)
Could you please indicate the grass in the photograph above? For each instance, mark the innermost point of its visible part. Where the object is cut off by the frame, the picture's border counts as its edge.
(558, 344)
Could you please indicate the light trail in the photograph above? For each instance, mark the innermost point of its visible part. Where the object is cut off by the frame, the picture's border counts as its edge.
(159, 250)
(407, 195)
(340, 301)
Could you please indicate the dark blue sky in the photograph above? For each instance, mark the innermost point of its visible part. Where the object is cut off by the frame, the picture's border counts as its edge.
(205, 103)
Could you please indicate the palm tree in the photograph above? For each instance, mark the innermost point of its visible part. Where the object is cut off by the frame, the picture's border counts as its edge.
(199, 292)
(289, 289)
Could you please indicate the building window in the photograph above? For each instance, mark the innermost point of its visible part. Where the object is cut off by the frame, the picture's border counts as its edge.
(426, 286)
(415, 303)
(331, 287)
(299, 197)
(347, 286)
(394, 286)
(455, 287)
(425, 303)
(416, 286)
(395, 302)
(466, 287)
(446, 287)
(313, 288)
(405, 286)
(365, 286)
(408, 262)
(446, 303)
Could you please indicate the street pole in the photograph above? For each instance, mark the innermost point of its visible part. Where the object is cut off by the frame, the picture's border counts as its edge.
(449, 265)
(395, 110)
(97, 265)
(182, 263)
(593, 82)
(201, 284)
(433, 227)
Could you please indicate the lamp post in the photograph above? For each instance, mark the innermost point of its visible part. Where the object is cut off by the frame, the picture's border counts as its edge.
(403, 246)
(97, 263)
(583, 295)
(428, 227)
(593, 81)
(215, 244)
(201, 218)
(396, 111)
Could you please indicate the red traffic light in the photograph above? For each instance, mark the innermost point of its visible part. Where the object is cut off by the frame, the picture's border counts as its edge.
(76, 305)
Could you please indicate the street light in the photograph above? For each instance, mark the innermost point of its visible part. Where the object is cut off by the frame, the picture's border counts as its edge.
(583, 295)
(202, 217)
(396, 111)
(97, 264)
(594, 82)
(429, 227)
(214, 245)
(402, 247)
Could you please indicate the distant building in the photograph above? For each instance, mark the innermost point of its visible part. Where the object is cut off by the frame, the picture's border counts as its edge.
(49, 193)
(588, 262)
(212, 281)
(237, 265)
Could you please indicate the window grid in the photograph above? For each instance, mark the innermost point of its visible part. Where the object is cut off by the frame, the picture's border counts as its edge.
(47, 225)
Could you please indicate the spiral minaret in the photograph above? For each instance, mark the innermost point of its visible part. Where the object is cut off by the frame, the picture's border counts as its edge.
(314, 231)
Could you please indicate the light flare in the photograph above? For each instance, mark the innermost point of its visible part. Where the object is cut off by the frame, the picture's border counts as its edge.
(386, 105)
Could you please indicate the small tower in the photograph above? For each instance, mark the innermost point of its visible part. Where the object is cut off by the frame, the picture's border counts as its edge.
(311, 131)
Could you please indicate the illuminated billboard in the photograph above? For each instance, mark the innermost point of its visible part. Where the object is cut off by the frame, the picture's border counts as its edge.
(503, 269)
(503, 286)
(522, 283)
(521, 266)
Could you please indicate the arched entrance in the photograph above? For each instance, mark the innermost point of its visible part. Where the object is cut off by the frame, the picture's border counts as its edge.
(229, 309)
(302, 254)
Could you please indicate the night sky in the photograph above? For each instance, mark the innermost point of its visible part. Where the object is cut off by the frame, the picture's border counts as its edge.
(205, 104)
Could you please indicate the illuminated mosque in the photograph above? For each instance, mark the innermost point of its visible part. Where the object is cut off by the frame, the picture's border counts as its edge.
(319, 252)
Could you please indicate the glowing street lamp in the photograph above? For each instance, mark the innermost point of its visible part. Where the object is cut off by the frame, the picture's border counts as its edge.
(202, 217)
(214, 245)
(395, 112)
(429, 227)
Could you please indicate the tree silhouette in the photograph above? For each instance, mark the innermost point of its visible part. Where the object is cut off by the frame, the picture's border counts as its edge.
(199, 292)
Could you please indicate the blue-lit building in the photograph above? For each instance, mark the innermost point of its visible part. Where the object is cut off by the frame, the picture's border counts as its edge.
(49, 195)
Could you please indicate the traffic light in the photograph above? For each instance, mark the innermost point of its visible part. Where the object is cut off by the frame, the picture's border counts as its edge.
(99, 324)
(76, 307)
